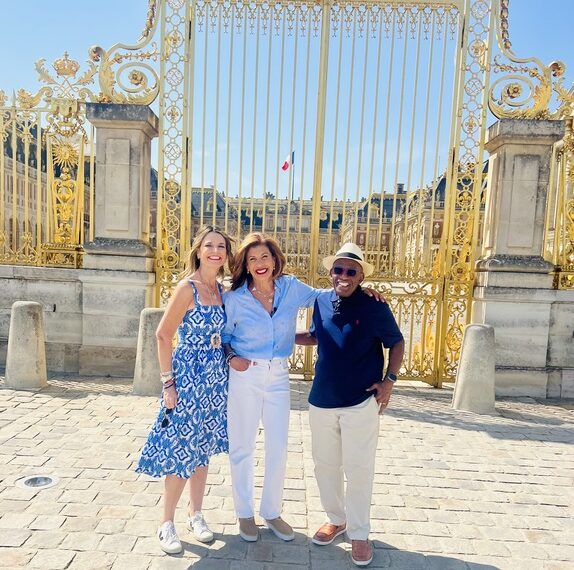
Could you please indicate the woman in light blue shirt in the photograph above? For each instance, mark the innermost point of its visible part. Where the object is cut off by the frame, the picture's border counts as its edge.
(259, 336)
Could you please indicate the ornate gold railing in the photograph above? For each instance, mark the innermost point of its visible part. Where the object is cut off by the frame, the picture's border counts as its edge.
(559, 226)
(47, 148)
(46, 168)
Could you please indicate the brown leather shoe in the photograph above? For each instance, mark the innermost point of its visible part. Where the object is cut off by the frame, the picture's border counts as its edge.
(361, 552)
(328, 533)
(248, 530)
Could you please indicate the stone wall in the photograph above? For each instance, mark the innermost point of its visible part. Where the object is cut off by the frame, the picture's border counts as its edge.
(91, 316)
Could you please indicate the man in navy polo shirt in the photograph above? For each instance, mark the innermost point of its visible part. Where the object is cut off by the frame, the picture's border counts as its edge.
(349, 391)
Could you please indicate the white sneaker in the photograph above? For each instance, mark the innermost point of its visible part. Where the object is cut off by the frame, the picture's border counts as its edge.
(198, 526)
(168, 539)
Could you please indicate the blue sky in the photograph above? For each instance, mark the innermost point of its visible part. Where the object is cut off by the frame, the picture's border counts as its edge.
(45, 28)
(537, 28)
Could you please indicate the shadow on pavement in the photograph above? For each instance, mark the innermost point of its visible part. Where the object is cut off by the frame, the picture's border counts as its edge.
(547, 422)
(230, 552)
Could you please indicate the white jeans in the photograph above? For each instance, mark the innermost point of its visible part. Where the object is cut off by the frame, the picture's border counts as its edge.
(261, 393)
(344, 440)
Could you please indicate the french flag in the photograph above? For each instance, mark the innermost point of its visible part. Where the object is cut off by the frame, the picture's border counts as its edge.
(289, 161)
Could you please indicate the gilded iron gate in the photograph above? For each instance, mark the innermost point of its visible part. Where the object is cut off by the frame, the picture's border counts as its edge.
(375, 110)
(320, 123)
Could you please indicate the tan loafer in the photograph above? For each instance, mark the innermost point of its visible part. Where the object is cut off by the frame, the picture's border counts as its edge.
(328, 533)
(280, 528)
(361, 552)
(248, 530)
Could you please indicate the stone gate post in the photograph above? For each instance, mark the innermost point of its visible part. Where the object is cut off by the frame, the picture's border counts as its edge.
(513, 290)
(119, 277)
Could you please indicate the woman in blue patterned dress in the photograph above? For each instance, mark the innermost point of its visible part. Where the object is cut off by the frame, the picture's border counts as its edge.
(192, 423)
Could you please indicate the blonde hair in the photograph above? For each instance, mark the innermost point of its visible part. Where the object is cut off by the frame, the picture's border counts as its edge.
(192, 263)
(239, 274)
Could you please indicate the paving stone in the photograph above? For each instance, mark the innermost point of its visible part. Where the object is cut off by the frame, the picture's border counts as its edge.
(85, 541)
(410, 560)
(260, 552)
(16, 520)
(144, 500)
(446, 563)
(47, 522)
(17, 494)
(136, 527)
(11, 506)
(248, 565)
(78, 496)
(117, 543)
(76, 524)
(232, 548)
(52, 559)
(46, 539)
(95, 561)
(558, 566)
(117, 512)
(125, 561)
(15, 557)
(147, 545)
(110, 526)
(290, 553)
(14, 536)
(79, 510)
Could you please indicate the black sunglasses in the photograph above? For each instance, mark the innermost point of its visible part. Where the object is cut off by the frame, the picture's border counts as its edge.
(341, 271)
(166, 413)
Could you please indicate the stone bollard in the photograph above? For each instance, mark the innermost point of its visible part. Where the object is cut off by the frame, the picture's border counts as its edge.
(147, 380)
(26, 357)
(474, 388)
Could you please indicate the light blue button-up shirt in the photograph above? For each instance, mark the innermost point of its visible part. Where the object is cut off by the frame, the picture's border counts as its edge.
(252, 332)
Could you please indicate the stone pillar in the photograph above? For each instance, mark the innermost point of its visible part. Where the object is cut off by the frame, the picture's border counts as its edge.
(26, 356)
(118, 277)
(513, 290)
(474, 387)
(147, 372)
(123, 170)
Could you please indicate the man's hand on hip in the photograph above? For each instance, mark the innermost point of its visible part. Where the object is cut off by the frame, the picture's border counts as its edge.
(382, 393)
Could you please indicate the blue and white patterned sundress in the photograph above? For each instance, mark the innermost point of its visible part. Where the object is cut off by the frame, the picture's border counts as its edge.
(197, 428)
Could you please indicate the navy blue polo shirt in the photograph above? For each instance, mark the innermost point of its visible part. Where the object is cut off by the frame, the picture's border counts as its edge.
(350, 333)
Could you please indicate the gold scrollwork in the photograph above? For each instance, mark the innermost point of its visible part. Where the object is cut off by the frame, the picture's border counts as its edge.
(527, 88)
(124, 72)
(150, 20)
(142, 85)
(524, 93)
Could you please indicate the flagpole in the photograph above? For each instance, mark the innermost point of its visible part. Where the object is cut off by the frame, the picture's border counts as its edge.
(292, 181)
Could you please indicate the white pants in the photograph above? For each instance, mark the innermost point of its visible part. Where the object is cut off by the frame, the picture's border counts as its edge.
(261, 393)
(344, 440)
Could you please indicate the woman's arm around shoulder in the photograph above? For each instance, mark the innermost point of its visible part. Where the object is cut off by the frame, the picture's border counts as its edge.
(305, 338)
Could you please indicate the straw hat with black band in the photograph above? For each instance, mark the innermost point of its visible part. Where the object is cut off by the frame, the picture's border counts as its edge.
(349, 251)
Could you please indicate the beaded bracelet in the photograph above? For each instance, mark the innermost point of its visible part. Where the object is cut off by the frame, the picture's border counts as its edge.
(168, 374)
(168, 384)
(229, 357)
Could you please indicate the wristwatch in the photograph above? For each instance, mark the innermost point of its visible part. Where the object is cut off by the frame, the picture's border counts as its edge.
(390, 376)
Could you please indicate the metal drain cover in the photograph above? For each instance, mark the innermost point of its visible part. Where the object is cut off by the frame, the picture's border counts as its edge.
(37, 482)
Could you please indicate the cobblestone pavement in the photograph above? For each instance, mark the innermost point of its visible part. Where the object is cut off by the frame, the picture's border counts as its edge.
(452, 490)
